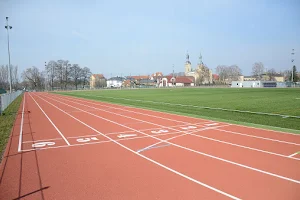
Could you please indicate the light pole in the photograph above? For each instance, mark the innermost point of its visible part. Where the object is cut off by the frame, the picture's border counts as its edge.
(9, 71)
(293, 53)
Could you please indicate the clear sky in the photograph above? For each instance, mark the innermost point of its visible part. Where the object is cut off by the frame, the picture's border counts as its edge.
(141, 37)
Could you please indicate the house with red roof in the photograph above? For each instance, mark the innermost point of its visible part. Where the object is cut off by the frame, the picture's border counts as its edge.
(179, 81)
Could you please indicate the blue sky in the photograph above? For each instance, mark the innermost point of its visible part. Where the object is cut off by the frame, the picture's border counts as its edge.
(141, 37)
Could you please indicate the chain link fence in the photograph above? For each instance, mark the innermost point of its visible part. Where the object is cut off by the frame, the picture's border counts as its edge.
(7, 99)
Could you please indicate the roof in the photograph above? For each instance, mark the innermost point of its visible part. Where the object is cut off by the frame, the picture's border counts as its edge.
(139, 77)
(98, 75)
(215, 76)
(181, 79)
(146, 81)
(117, 78)
(157, 74)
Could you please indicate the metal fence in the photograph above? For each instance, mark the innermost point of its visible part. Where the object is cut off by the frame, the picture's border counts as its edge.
(7, 99)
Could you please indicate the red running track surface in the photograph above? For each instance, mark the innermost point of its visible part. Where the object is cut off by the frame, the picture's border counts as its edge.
(72, 148)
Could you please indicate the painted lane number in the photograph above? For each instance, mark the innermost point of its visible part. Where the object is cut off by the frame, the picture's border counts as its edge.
(42, 144)
(159, 131)
(188, 127)
(86, 139)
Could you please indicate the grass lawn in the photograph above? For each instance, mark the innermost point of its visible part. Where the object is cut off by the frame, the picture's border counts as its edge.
(208, 102)
(6, 122)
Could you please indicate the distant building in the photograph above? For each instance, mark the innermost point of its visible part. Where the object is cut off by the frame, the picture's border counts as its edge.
(179, 81)
(253, 84)
(115, 82)
(202, 74)
(97, 80)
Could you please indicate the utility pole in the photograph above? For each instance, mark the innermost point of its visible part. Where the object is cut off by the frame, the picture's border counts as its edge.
(9, 69)
(293, 53)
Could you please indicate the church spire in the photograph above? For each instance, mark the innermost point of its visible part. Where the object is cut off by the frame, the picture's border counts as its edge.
(187, 57)
(200, 59)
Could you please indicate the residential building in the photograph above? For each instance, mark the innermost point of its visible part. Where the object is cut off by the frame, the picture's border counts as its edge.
(115, 82)
(180, 81)
(97, 80)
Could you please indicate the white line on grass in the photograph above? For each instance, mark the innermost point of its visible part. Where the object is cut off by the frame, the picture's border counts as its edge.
(182, 147)
(201, 107)
(153, 161)
(270, 139)
(51, 121)
(21, 128)
(97, 103)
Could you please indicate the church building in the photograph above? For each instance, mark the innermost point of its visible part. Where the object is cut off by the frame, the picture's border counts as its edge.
(202, 74)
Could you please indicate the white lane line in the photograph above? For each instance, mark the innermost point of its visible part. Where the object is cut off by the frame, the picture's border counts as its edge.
(270, 139)
(188, 149)
(241, 146)
(177, 136)
(77, 99)
(202, 107)
(51, 121)
(74, 99)
(291, 156)
(21, 128)
(153, 161)
(97, 103)
(221, 141)
(173, 129)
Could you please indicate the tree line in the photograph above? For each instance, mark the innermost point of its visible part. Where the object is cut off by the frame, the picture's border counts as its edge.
(60, 74)
(260, 73)
(4, 77)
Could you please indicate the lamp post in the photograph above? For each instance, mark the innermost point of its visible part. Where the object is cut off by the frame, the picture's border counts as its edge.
(9, 70)
(293, 53)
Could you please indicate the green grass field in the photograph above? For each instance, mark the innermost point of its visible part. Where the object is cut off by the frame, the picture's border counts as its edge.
(6, 122)
(224, 104)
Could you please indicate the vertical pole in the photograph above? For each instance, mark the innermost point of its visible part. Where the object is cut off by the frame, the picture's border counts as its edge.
(9, 69)
(292, 66)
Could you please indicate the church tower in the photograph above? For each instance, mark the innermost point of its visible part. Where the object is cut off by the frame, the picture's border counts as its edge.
(188, 65)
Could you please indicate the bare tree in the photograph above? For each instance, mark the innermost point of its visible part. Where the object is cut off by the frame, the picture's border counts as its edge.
(258, 70)
(100, 83)
(221, 70)
(234, 72)
(67, 67)
(228, 73)
(271, 74)
(51, 72)
(203, 75)
(59, 72)
(34, 77)
(4, 77)
(15, 77)
(86, 73)
(76, 74)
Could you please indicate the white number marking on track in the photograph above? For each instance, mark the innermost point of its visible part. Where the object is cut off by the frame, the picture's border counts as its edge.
(42, 144)
(188, 127)
(86, 139)
(159, 131)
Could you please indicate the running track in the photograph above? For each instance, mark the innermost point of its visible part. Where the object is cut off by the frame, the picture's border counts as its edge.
(71, 148)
